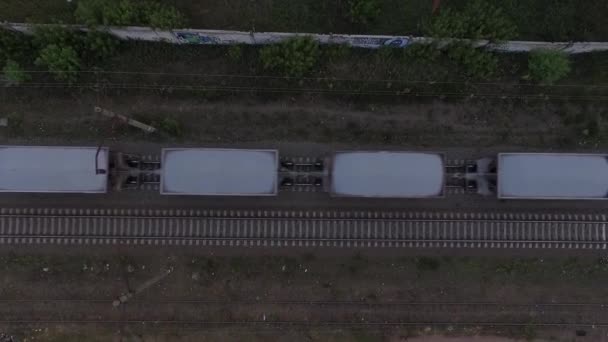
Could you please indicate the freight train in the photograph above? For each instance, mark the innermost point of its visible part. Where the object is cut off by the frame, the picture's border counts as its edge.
(355, 174)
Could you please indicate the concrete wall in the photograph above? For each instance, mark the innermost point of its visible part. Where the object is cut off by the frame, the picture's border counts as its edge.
(219, 37)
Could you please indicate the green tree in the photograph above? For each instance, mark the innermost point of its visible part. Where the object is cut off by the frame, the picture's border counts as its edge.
(121, 13)
(548, 66)
(363, 11)
(14, 46)
(14, 73)
(128, 12)
(61, 61)
(162, 16)
(99, 45)
(90, 12)
(478, 20)
(295, 57)
(45, 35)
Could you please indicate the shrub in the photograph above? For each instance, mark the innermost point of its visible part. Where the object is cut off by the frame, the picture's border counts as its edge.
(334, 53)
(14, 73)
(363, 11)
(546, 66)
(235, 53)
(422, 52)
(475, 62)
(479, 20)
(61, 61)
(171, 127)
(295, 57)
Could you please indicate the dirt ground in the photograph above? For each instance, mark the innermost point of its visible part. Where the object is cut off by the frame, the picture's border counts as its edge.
(480, 124)
(246, 275)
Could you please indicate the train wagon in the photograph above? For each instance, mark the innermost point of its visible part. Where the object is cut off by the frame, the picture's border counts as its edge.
(552, 176)
(54, 169)
(219, 172)
(387, 174)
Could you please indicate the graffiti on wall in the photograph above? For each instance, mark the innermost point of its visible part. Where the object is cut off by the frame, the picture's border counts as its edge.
(378, 42)
(367, 42)
(196, 38)
(398, 42)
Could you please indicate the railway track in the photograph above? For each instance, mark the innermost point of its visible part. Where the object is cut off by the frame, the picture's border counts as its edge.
(252, 228)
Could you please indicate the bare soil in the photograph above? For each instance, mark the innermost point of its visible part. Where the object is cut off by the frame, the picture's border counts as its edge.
(41, 116)
(254, 275)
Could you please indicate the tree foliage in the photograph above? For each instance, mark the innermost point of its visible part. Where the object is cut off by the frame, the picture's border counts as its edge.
(363, 11)
(14, 73)
(99, 45)
(296, 57)
(45, 35)
(14, 46)
(547, 66)
(478, 20)
(62, 61)
(63, 50)
(128, 12)
(162, 16)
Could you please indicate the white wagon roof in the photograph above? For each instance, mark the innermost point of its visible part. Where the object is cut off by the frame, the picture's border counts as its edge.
(387, 174)
(53, 169)
(211, 171)
(552, 176)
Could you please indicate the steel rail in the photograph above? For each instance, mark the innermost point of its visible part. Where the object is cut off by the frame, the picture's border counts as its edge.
(282, 239)
(309, 219)
(301, 228)
(307, 302)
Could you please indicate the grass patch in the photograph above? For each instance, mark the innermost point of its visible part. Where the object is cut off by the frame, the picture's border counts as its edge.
(209, 268)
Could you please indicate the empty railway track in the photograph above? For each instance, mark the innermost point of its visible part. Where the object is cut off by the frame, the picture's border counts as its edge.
(251, 228)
